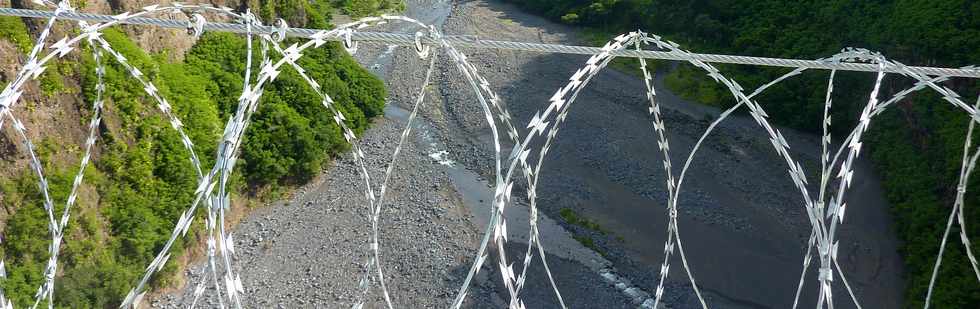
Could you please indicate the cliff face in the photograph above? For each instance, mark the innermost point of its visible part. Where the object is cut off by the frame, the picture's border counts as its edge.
(56, 110)
(52, 108)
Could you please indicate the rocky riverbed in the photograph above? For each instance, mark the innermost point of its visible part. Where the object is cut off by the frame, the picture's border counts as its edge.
(742, 222)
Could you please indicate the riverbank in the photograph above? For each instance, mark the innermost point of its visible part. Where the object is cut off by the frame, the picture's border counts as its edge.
(741, 220)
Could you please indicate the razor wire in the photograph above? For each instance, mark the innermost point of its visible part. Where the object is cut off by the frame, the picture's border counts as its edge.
(966, 168)
(62, 48)
(289, 56)
(10, 95)
(824, 219)
(664, 145)
(836, 213)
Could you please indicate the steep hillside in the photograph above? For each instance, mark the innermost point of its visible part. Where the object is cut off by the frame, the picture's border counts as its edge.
(141, 179)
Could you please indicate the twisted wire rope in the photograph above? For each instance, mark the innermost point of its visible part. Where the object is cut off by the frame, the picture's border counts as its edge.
(220, 241)
(472, 42)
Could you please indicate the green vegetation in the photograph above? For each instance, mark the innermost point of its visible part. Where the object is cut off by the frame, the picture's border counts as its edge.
(574, 218)
(361, 8)
(297, 13)
(52, 80)
(292, 134)
(695, 89)
(141, 183)
(141, 178)
(13, 30)
(916, 146)
(588, 242)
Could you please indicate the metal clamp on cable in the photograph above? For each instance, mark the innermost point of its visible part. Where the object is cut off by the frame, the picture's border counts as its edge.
(349, 45)
(826, 274)
(249, 20)
(281, 28)
(421, 49)
(195, 26)
(64, 6)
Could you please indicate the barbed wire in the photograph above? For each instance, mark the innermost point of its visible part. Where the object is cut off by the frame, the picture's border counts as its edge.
(824, 215)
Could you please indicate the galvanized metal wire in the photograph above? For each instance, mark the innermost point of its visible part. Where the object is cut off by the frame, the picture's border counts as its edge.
(466, 41)
(824, 211)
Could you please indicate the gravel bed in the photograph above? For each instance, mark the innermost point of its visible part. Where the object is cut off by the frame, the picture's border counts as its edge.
(740, 217)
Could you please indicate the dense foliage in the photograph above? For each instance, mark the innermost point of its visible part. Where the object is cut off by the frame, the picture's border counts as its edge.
(360, 8)
(916, 147)
(141, 178)
(14, 31)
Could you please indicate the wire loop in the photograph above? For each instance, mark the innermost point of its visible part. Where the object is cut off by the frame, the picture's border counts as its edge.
(195, 26)
(281, 27)
(349, 45)
(421, 49)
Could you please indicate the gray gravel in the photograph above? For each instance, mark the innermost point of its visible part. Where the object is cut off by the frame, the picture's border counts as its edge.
(741, 219)
(309, 251)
